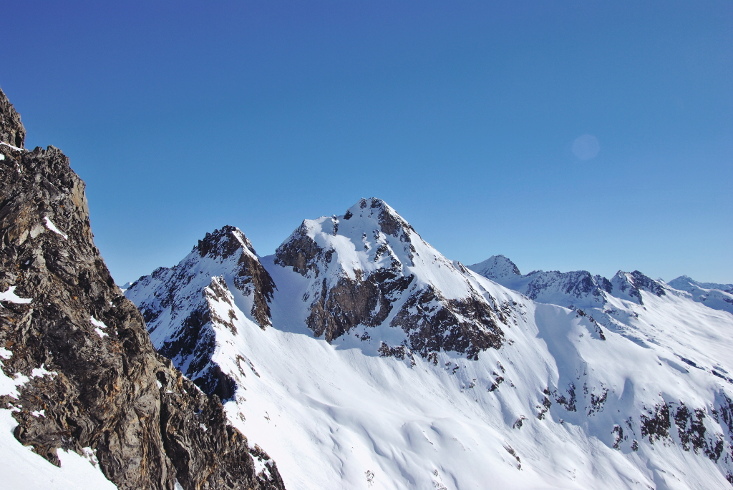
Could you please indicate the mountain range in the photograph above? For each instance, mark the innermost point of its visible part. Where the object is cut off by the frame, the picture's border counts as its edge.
(356, 356)
(389, 365)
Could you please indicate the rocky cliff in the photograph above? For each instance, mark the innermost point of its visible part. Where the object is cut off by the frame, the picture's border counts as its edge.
(102, 386)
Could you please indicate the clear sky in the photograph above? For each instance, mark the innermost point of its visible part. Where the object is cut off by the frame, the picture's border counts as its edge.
(563, 134)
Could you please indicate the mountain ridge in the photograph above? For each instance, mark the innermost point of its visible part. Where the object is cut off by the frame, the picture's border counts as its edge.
(80, 378)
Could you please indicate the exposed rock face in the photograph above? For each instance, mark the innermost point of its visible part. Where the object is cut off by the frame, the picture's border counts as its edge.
(12, 131)
(222, 271)
(104, 386)
(369, 267)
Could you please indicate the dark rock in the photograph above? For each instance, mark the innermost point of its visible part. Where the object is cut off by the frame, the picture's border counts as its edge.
(110, 390)
(11, 129)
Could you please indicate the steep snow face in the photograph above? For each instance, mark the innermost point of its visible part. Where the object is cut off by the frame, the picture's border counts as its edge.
(717, 296)
(184, 300)
(635, 393)
(369, 268)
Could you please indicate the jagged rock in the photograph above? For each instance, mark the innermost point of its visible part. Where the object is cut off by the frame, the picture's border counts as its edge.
(12, 131)
(106, 387)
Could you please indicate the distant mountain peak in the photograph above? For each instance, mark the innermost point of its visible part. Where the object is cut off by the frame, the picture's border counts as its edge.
(631, 283)
(717, 296)
(496, 267)
(683, 282)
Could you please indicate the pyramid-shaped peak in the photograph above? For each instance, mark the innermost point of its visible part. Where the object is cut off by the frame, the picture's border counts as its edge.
(370, 205)
(496, 267)
(682, 281)
(632, 282)
(224, 242)
(389, 220)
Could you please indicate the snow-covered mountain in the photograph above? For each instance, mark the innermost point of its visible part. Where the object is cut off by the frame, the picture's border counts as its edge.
(718, 296)
(358, 356)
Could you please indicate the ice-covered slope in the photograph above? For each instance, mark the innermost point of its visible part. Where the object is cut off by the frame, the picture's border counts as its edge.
(386, 365)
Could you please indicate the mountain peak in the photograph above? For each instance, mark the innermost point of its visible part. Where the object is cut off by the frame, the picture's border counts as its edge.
(631, 283)
(12, 131)
(224, 242)
(390, 222)
(686, 282)
(496, 267)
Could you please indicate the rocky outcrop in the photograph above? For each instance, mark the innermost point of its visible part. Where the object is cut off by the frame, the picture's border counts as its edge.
(12, 131)
(91, 368)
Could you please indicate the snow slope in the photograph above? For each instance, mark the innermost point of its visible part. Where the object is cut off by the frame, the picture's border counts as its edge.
(367, 371)
(717, 296)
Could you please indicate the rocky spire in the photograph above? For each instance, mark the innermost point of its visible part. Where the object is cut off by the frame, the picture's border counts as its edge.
(12, 131)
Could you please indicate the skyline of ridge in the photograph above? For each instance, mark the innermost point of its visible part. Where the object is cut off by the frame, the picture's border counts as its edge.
(566, 137)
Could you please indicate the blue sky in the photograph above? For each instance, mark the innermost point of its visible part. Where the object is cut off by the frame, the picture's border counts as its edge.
(185, 116)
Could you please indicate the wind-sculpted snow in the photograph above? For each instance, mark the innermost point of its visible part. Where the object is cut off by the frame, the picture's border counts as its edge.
(373, 373)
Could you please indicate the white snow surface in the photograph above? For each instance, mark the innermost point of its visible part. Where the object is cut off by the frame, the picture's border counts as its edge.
(99, 327)
(51, 226)
(336, 415)
(11, 146)
(11, 297)
(22, 469)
